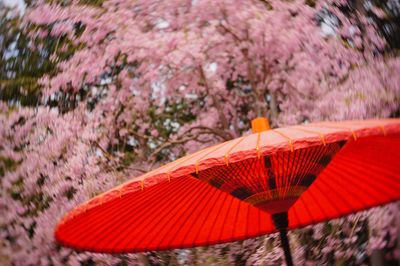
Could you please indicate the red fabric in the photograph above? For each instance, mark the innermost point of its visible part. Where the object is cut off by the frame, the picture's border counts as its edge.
(274, 182)
(178, 210)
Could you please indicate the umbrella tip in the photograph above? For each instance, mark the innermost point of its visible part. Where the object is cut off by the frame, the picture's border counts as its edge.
(260, 124)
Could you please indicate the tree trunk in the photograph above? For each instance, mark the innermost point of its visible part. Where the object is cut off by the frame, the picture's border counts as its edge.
(378, 257)
(273, 107)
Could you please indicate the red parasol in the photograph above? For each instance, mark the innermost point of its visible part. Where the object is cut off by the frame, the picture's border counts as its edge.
(268, 181)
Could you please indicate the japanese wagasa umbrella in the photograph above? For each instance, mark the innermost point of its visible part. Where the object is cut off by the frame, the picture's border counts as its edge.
(264, 182)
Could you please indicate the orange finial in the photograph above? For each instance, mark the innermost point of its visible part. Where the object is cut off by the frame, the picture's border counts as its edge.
(260, 124)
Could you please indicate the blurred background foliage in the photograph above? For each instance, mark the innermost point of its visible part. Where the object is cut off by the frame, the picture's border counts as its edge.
(25, 59)
(22, 64)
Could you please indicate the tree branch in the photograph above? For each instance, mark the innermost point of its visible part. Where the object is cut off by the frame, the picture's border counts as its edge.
(216, 102)
(203, 130)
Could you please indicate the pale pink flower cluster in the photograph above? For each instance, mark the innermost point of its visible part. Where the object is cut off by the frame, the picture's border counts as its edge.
(153, 80)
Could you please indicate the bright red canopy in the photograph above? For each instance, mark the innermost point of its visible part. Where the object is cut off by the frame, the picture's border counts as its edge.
(228, 192)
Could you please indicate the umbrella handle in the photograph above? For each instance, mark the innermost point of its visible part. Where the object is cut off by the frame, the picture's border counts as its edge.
(281, 223)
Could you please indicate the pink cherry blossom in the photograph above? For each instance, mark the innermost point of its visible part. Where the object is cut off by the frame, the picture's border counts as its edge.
(151, 81)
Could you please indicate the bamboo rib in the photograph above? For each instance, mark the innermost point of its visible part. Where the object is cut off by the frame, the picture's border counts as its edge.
(286, 137)
(321, 135)
(337, 127)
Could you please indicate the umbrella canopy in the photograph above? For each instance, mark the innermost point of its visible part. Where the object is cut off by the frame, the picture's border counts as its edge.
(238, 189)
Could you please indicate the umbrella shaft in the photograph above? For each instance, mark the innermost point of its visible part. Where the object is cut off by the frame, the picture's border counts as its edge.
(286, 247)
(281, 223)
